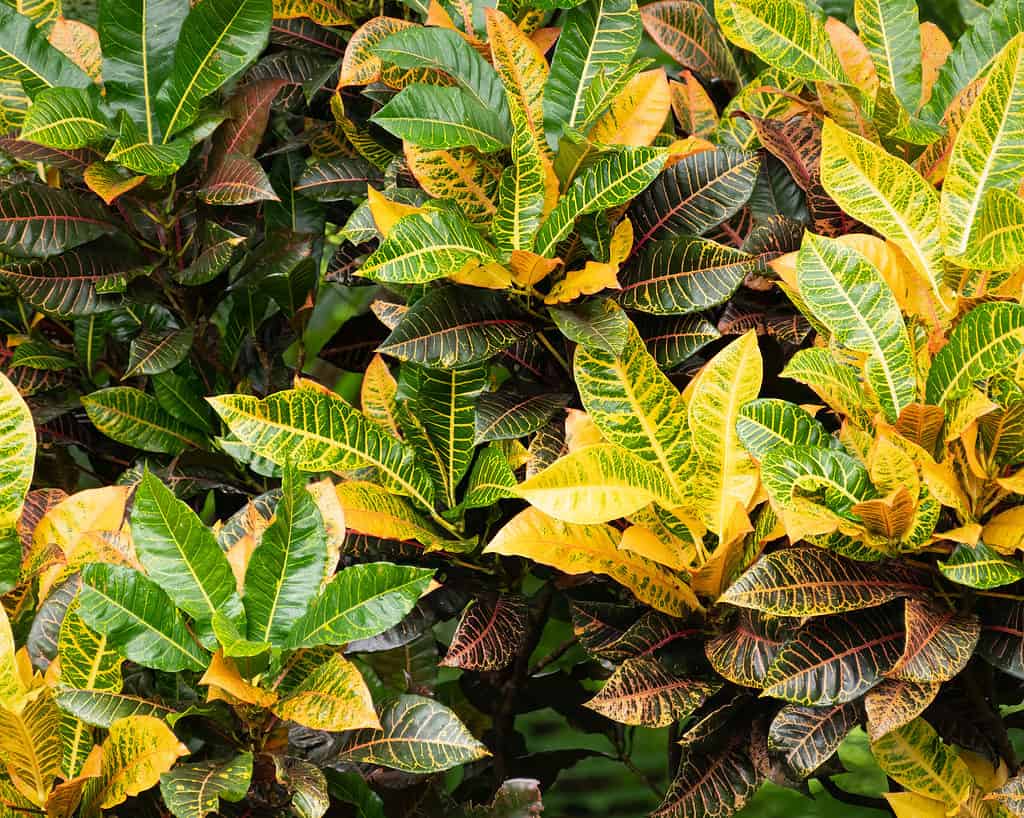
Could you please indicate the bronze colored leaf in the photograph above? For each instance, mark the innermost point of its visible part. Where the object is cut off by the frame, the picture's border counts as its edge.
(643, 692)
(489, 635)
(894, 703)
(711, 785)
(808, 736)
(744, 654)
(940, 642)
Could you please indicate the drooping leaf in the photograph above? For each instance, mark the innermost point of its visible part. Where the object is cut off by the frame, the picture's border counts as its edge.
(31, 745)
(808, 736)
(940, 642)
(917, 758)
(643, 692)
(441, 117)
(418, 735)
(17, 463)
(743, 654)
(331, 180)
(979, 566)
(238, 180)
(714, 783)
(489, 634)
(686, 31)
(195, 790)
(39, 222)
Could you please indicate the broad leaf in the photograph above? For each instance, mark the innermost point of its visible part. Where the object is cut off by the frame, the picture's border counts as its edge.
(102, 708)
(489, 634)
(643, 692)
(438, 117)
(30, 744)
(743, 654)
(686, 31)
(64, 118)
(26, 57)
(153, 352)
(940, 642)
(134, 418)
(331, 180)
(979, 566)
(196, 790)
(238, 180)
(917, 758)
(333, 696)
(767, 423)
(39, 222)
(509, 415)
(17, 462)
(890, 32)
(807, 737)
(73, 283)
(133, 150)
(711, 783)
(672, 341)
(894, 703)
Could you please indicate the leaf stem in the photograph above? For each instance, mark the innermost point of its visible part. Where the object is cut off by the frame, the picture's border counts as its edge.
(554, 352)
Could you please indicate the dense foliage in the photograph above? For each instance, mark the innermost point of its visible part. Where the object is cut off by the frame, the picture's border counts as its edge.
(377, 378)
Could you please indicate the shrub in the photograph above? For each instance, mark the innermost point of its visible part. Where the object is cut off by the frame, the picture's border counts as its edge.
(376, 382)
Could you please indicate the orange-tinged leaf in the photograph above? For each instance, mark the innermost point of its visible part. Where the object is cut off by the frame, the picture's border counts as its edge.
(895, 702)
(935, 50)
(223, 674)
(490, 276)
(522, 68)
(660, 549)
(64, 798)
(637, 115)
(333, 697)
(693, 107)
(1005, 531)
(853, 56)
(643, 692)
(377, 394)
(596, 275)
(529, 268)
(361, 65)
(80, 43)
(108, 182)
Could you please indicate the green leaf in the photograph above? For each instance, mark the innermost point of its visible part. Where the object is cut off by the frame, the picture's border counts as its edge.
(890, 31)
(217, 40)
(419, 736)
(332, 696)
(181, 398)
(769, 422)
(318, 431)
(987, 340)
(490, 480)
(807, 737)
(286, 569)
(156, 351)
(979, 566)
(672, 341)
(181, 555)
(102, 708)
(615, 178)
(599, 39)
(597, 322)
(17, 462)
(134, 418)
(697, 193)
(219, 245)
(835, 660)
(138, 618)
(332, 180)
(810, 581)
(78, 282)
(848, 295)
(27, 57)
(643, 692)
(65, 118)
(132, 150)
(982, 217)
(788, 472)
(456, 326)
(509, 415)
(39, 222)
(446, 51)
(138, 39)
(685, 31)
(359, 602)
(917, 758)
(195, 790)
(41, 355)
(351, 788)
(834, 381)
(438, 117)
(422, 247)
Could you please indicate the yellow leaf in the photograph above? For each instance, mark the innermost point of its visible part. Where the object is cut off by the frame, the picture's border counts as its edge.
(333, 697)
(136, 751)
(373, 510)
(223, 674)
(580, 430)
(581, 549)
(647, 544)
(438, 16)
(987, 776)
(637, 115)
(377, 395)
(529, 268)
(1005, 531)
(30, 744)
(108, 182)
(935, 50)
(466, 177)
(714, 575)
(596, 275)
(80, 43)
(912, 805)
(333, 515)
(11, 689)
(63, 800)
(490, 276)
(853, 55)
(694, 109)
(324, 12)
(522, 68)
(386, 212)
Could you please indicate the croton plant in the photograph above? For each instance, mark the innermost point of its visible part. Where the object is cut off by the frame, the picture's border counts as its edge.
(382, 380)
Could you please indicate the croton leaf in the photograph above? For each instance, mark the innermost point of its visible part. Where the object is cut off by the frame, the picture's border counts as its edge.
(596, 322)
(440, 117)
(64, 118)
(332, 696)
(156, 351)
(891, 35)
(686, 31)
(31, 745)
(979, 566)
(17, 463)
(894, 703)
(743, 654)
(133, 150)
(940, 642)
(808, 736)
(643, 692)
(237, 180)
(672, 341)
(27, 57)
(917, 758)
(718, 783)
(196, 790)
(766, 423)
(38, 221)
(417, 735)
(331, 180)
(509, 415)
(132, 417)
(102, 708)
(489, 634)
(835, 660)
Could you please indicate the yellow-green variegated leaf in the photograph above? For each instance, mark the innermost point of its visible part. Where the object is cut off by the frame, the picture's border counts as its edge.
(849, 296)
(917, 758)
(726, 478)
(30, 744)
(635, 406)
(319, 431)
(521, 67)
(785, 35)
(372, 510)
(65, 118)
(834, 382)
(332, 697)
(981, 215)
(195, 790)
(596, 484)
(581, 549)
(462, 175)
(440, 117)
(17, 462)
(888, 195)
(613, 179)
(890, 30)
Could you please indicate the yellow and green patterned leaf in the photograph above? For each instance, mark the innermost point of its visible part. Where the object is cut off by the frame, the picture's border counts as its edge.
(332, 697)
(17, 463)
(438, 117)
(978, 566)
(65, 118)
(643, 692)
(30, 744)
(835, 383)
(195, 790)
(130, 416)
(807, 737)
(915, 756)
(468, 179)
(890, 30)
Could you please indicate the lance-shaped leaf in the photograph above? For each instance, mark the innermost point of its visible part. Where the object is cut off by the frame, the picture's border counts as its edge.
(809, 581)
(286, 567)
(686, 32)
(890, 32)
(331, 180)
(894, 703)
(217, 40)
(359, 602)
(697, 193)
(785, 36)
(767, 423)
(102, 708)
(987, 340)
(138, 38)
(456, 326)
(489, 634)
(155, 351)
(714, 783)
(940, 642)
(424, 246)
(132, 150)
(31, 745)
(136, 751)
(196, 790)
(490, 480)
(599, 39)
(807, 737)
(318, 430)
(181, 555)
(509, 415)
(888, 195)
(596, 322)
(372, 510)
(685, 274)
(917, 758)
(978, 566)
(835, 660)
(981, 215)
(38, 221)
(333, 696)
(417, 735)
(834, 381)
(445, 50)
(672, 341)
(579, 549)
(744, 654)
(17, 462)
(134, 418)
(635, 405)
(848, 294)
(65, 118)
(27, 58)
(439, 117)
(138, 618)
(643, 692)
(238, 180)
(1002, 637)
